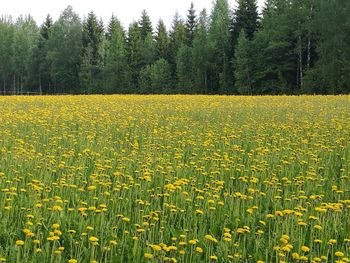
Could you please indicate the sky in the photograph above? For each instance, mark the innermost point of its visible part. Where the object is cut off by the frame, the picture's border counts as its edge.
(126, 10)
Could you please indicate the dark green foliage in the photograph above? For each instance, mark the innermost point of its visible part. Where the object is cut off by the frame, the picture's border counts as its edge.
(156, 78)
(64, 55)
(134, 55)
(117, 69)
(145, 25)
(6, 54)
(91, 71)
(245, 17)
(331, 73)
(191, 25)
(243, 65)
(177, 40)
(294, 47)
(200, 55)
(162, 41)
(220, 47)
(184, 70)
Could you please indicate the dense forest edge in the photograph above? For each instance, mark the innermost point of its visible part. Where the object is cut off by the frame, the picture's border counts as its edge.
(290, 47)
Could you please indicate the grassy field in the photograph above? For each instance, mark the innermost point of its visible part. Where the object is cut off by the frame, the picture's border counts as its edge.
(174, 179)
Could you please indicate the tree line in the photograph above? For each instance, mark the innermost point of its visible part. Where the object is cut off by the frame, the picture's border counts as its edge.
(292, 47)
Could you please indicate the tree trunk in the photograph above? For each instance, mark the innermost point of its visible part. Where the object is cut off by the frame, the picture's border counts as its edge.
(14, 84)
(300, 62)
(308, 52)
(40, 86)
(21, 84)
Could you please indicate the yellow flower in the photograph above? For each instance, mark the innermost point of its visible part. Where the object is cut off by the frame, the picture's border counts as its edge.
(19, 243)
(305, 249)
(214, 258)
(113, 242)
(332, 242)
(193, 242)
(199, 250)
(339, 254)
(295, 256)
(199, 212)
(211, 238)
(148, 255)
(93, 239)
(303, 258)
(156, 247)
(72, 261)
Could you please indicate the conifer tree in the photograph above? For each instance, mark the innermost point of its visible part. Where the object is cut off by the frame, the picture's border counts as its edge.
(116, 58)
(191, 25)
(220, 47)
(200, 55)
(162, 41)
(145, 25)
(243, 65)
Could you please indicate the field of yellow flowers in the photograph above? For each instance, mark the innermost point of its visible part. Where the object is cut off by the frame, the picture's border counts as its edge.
(174, 179)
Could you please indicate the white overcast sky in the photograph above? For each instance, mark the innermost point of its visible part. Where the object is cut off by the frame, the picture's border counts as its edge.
(125, 10)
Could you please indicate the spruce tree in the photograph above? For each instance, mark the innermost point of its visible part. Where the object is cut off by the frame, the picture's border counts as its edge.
(220, 47)
(134, 54)
(243, 65)
(6, 54)
(40, 66)
(64, 52)
(331, 74)
(245, 17)
(191, 25)
(116, 59)
(200, 55)
(177, 40)
(91, 72)
(184, 69)
(162, 41)
(145, 25)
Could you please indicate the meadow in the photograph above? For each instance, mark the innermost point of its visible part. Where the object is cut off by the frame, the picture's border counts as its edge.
(174, 179)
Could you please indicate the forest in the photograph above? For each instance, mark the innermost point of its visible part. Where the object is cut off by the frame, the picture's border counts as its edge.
(288, 47)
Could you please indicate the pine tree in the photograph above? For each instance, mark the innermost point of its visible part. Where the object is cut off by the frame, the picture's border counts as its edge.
(191, 25)
(331, 74)
(184, 69)
(200, 55)
(145, 25)
(64, 52)
(134, 55)
(276, 60)
(162, 41)
(111, 25)
(116, 58)
(93, 54)
(177, 40)
(25, 37)
(243, 65)
(6, 54)
(220, 47)
(156, 78)
(149, 50)
(161, 77)
(39, 65)
(245, 17)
